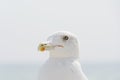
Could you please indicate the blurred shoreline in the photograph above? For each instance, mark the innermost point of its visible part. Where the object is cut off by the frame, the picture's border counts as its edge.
(30, 71)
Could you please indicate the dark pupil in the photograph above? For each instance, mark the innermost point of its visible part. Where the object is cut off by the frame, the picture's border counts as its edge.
(65, 38)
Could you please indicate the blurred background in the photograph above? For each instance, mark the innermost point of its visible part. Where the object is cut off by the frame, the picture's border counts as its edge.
(25, 23)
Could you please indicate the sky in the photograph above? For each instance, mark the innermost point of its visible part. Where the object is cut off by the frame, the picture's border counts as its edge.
(25, 23)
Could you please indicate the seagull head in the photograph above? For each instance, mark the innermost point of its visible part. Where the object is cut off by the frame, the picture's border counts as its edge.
(61, 44)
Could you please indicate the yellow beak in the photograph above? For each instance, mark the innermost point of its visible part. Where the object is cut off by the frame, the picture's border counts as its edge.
(46, 46)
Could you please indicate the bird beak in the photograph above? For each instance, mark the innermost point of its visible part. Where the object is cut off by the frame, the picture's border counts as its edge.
(47, 46)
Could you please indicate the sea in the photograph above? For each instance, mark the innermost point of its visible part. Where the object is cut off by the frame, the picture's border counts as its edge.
(94, 71)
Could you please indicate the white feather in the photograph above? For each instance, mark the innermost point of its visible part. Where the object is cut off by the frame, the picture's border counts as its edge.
(63, 63)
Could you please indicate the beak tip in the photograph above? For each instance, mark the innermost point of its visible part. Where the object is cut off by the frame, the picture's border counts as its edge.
(41, 48)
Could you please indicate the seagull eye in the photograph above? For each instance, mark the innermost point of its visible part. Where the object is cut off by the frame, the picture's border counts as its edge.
(65, 38)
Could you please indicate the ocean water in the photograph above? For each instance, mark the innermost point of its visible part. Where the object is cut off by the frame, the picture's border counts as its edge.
(96, 71)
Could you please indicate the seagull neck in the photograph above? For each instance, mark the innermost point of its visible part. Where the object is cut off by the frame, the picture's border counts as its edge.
(64, 58)
(72, 54)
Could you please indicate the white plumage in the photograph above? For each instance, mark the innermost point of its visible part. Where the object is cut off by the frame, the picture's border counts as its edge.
(63, 63)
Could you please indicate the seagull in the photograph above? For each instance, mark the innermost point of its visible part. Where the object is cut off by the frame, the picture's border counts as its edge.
(63, 62)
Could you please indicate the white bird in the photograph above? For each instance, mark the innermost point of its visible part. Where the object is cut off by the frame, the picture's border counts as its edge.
(63, 62)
